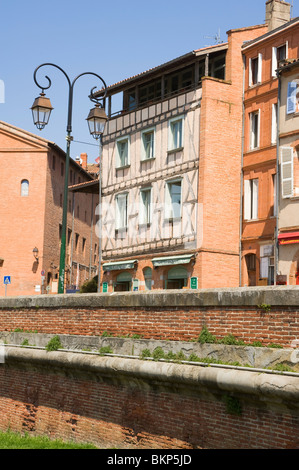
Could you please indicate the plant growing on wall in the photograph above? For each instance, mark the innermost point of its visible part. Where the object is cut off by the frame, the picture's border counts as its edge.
(54, 344)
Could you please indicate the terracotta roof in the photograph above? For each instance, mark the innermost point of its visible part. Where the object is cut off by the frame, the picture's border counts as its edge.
(270, 33)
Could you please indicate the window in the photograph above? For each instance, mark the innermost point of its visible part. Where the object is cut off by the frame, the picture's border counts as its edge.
(255, 70)
(62, 169)
(122, 152)
(292, 97)
(254, 130)
(179, 80)
(53, 162)
(145, 206)
(148, 273)
(251, 199)
(149, 92)
(274, 194)
(76, 241)
(148, 144)
(278, 54)
(267, 263)
(175, 133)
(24, 188)
(121, 211)
(83, 244)
(274, 124)
(173, 199)
(286, 172)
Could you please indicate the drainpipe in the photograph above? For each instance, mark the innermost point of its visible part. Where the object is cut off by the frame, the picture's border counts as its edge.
(242, 179)
(276, 202)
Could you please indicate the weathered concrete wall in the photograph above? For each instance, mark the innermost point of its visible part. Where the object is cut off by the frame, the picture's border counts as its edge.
(140, 404)
(246, 356)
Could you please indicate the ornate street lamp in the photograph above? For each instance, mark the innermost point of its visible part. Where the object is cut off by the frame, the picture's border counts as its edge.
(41, 111)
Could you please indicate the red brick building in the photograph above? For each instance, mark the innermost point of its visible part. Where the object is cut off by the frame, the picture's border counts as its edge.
(31, 195)
(261, 181)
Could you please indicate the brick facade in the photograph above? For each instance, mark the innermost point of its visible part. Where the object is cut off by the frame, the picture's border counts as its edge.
(33, 219)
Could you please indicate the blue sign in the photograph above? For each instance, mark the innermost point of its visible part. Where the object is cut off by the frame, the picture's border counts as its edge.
(7, 280)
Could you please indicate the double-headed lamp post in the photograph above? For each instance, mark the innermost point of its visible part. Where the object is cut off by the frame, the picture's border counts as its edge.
(97, 118)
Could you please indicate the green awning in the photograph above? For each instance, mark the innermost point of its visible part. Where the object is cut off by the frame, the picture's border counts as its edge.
(172, 260)
(116, 266)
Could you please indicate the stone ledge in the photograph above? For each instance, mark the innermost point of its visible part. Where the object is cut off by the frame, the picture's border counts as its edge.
(274, 296)
(277, 389)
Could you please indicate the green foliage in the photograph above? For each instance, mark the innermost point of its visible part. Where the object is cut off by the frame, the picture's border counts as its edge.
(105, 350)
(12, 440)
(25, 342)
(233, 405)
(91, 285)
(282, 368)
(158, 354)
(231, 340)
(206, 337)
(265, 307)
(145, 353)
(273, 345)
(106, 334)
(256, 344)
(54, 344)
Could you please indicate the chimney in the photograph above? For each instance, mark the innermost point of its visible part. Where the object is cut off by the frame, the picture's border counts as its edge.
(277, 13)
(83, 160)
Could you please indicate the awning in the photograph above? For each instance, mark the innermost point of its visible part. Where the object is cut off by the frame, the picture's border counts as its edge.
(172, 260)
(289, 238)
(116, 266)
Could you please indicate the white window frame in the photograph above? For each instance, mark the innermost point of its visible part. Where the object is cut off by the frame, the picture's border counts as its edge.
(251, 189)
(169, 210)
(145, 214)
(121, 220)
(151, 131)
(252, 134)
(287, 171)
(274, 123)
(119, 162)
(274, 57)
(171, 138)
(259, 59)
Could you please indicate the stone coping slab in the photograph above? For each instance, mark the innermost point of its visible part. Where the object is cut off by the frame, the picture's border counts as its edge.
(273, 296)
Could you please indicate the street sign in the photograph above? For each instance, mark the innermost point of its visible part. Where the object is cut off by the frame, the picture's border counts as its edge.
(7, 280)
(105, 286)
(42, 272)
(194, 282)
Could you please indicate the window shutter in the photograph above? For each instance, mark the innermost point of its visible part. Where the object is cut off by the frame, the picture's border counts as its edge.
(259, 78)
(250, 72)
(255, 187)
(247, 200)
(274, 61)
(274, 123)
(287, 172)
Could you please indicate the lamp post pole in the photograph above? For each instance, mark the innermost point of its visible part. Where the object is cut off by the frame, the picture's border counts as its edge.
(100, 212)
(96, 131)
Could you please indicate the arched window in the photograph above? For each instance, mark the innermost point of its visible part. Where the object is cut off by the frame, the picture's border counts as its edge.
(24, 188)
(148, 273)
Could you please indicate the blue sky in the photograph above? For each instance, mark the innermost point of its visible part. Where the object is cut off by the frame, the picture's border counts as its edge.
(113, 39)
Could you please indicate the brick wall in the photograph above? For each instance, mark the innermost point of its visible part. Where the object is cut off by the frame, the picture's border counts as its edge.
(173, 315)
(138, 411)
